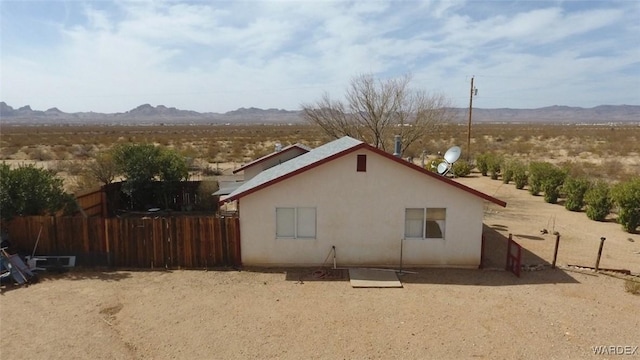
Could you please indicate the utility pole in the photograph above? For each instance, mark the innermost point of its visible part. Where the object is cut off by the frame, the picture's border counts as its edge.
(471, 93)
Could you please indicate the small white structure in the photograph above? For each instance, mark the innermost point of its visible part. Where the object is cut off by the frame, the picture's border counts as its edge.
(373, 208)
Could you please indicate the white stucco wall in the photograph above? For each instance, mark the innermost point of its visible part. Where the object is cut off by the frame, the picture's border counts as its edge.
(362, 214)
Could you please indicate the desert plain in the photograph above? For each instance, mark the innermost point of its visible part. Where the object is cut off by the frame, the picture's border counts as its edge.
(569, 312)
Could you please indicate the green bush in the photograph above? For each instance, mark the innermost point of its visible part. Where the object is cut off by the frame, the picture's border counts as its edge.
(29, 190)
(575, 189)
(626, 197)
(461, 169)
(537, 173)
(519, 174)
(494, 162)
(482, 164)
(551, 183)
(507, 171)
(433, 165)
(598, 201)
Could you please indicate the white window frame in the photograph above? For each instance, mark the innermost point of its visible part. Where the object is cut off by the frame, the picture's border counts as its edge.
(298, 228)
(410, 223)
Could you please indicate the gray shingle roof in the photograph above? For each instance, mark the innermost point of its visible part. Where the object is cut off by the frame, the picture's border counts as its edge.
(227, 187)
(275, 153)
(297, 163)
(327, 152)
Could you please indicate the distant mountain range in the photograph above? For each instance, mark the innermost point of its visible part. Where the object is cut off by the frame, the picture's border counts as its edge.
(148, 114)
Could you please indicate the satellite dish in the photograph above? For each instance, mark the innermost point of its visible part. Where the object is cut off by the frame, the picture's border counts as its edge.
(442, 168)
(452, 155)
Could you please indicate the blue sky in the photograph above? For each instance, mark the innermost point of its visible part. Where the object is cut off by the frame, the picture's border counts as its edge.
(111, 56)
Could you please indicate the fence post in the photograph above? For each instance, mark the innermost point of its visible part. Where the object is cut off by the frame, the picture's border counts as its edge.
(555, 251)
(602, 239)
(508, 266)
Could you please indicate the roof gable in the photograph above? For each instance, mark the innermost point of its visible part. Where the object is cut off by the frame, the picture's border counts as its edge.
(331, 151)
(286, 149)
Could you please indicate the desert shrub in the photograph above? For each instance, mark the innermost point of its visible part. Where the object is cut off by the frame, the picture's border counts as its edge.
(575, 189)
(598, 201)
(433, 165)
(551, 184)
(482, 163)
(537, 173)
(74, 167)
(29, 190)
(519, 174)
(507, 171)
(494, 163)
(632, 287)
(461, 168)
(39, 154)
(626, 196)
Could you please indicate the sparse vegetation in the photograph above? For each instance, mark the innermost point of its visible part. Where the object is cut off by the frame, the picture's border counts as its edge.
(594, 151)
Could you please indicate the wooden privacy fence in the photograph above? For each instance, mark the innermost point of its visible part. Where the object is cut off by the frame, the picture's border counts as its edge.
(171, 242)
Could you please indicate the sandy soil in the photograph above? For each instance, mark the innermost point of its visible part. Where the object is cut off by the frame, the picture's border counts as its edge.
(265, 314)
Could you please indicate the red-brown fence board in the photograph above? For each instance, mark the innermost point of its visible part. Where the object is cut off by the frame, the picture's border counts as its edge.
(172, 242)
(514, 256)
(91, 202)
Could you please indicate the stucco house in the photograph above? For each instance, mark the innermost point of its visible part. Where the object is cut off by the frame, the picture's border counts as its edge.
(373, 208)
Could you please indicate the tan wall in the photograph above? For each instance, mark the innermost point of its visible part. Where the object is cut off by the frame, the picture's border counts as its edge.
(362, 214)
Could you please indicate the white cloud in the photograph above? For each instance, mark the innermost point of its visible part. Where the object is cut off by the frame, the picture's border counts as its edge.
(223, 55)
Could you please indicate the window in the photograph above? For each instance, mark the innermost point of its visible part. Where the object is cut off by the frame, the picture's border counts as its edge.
(296, 222)
(423, 223)
(362, 163)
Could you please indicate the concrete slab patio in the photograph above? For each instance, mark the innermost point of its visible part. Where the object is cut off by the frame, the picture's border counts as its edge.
(374, 278)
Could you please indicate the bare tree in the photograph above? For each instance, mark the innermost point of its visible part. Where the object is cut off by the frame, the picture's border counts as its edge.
(375, 111)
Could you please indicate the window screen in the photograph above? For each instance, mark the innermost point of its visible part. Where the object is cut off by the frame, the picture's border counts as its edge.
(436, 223)
(285, 222)
(296, 223)
(306, 222)
(413, 223)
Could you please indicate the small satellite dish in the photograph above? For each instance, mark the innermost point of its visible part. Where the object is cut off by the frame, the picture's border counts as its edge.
(442, 168)
(452, 155)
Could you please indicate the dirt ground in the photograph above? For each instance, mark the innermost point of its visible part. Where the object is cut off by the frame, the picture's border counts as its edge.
(269, 313)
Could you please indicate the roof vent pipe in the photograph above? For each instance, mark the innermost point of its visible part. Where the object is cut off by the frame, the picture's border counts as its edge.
(397, 150)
